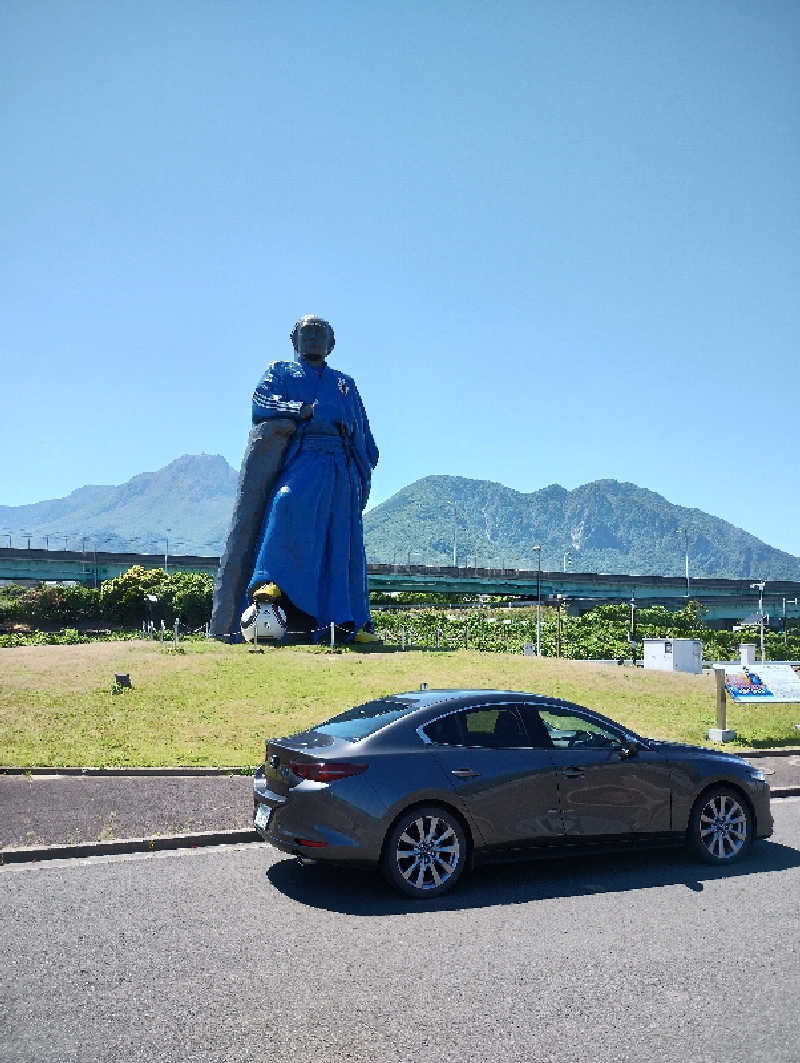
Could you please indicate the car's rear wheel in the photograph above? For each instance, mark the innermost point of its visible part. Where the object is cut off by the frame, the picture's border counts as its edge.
(425, 852)
(721, 826)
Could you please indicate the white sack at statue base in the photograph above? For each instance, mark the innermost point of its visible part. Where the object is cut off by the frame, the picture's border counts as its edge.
(263, 622)
(296, 537)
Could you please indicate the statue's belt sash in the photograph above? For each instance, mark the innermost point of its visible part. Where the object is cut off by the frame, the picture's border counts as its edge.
(323, 444)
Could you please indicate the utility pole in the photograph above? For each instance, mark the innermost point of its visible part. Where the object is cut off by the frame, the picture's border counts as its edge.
(633, 627)
(784, 619)
(686, 551)
(538, 550)
(559, 602)
(760, 588)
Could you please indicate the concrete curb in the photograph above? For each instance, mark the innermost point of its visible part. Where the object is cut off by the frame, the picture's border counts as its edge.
(785, 791)
(198, 839)
(114, 773)
(757, 753)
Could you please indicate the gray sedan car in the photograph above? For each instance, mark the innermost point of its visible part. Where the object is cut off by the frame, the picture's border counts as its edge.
(429, 782)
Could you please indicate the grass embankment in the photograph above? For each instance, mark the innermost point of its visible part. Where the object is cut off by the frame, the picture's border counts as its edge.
(214, 705)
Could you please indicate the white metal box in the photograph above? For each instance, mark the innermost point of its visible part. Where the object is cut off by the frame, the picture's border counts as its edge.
(674, 655)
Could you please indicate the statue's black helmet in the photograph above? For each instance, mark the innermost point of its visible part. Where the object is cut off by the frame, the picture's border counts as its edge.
(312, 319)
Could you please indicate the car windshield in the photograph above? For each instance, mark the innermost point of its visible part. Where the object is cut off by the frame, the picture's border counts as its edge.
(364, 720)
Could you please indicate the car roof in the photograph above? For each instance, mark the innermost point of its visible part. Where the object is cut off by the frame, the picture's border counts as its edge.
(430, 698)
(428, 701)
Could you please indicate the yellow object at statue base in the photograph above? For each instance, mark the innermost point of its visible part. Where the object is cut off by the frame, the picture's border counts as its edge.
(267, 592)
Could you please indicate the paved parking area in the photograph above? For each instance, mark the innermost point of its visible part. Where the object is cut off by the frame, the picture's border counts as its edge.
(238, 954)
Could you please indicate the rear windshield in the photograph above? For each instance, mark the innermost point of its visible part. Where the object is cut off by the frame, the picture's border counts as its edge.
(364, 720)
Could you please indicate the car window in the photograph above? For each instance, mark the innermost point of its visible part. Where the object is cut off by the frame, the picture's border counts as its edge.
(539, 735)
(570, 729)
(364, 720)
(447, 731)
(499, 727)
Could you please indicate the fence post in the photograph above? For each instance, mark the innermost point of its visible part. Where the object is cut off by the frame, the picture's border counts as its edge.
(177, 622)
(438, 637)
(333, 635)
(466, 634)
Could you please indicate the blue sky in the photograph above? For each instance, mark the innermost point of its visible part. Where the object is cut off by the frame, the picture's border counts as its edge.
(558, 241)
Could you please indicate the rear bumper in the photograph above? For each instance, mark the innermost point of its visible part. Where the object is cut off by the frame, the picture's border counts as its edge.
(316, 823)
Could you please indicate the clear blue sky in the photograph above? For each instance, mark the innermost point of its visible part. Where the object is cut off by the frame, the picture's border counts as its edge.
(558, 240)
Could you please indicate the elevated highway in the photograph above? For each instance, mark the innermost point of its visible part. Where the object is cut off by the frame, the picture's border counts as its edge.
(725, 599)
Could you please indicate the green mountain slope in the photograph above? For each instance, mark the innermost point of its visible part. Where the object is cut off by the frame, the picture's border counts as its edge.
(190, 500)
(605, 526)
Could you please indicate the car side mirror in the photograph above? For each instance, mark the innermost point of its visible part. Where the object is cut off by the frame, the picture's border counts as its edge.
(629, 748)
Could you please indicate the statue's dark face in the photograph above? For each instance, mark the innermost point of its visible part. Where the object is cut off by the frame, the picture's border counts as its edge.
(312, 342)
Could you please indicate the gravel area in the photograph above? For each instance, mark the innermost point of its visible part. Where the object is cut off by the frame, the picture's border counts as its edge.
(62, 809)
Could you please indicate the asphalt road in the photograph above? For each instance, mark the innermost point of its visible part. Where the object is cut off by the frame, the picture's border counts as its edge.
(238, 954)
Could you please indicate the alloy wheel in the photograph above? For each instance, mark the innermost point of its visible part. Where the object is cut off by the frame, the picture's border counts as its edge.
(723, 827)
(426, 852)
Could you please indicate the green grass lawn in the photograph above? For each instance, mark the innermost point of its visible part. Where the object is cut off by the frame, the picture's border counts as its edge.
(214, 704)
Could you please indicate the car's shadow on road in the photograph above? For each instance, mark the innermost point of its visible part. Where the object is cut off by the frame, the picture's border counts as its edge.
(364, 892)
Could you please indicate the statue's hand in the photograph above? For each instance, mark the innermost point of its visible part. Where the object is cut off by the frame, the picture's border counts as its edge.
(306, 411)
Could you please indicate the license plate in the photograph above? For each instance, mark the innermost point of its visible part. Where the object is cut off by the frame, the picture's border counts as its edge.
(263, 816)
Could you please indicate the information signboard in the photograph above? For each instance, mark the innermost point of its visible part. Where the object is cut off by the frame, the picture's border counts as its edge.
(763, 683)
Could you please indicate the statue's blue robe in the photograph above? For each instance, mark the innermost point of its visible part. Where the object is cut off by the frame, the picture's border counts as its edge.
(312, 541)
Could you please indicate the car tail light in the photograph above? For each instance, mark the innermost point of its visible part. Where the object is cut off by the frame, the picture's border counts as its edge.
(325, 770)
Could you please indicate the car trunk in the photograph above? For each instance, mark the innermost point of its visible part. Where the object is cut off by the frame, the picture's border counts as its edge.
(308, 747)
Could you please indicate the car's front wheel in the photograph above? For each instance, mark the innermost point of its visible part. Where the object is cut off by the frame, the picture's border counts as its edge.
(425, 852)
(721, 826)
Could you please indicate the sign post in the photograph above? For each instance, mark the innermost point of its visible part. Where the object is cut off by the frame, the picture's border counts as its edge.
(774, 683)
(721, 733)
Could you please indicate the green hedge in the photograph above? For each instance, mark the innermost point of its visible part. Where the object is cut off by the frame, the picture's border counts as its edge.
(122, 600)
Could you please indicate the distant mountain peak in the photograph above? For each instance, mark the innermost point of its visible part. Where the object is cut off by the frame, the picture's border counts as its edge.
(603, 526)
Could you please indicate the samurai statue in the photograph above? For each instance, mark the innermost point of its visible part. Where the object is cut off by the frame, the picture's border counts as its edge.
(296, 537)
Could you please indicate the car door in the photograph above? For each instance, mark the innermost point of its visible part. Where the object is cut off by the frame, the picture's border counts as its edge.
(605, 788)
(507, 785)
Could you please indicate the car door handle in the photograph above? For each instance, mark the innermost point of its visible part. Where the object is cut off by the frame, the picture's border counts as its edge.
(573, 773)
(465, 773)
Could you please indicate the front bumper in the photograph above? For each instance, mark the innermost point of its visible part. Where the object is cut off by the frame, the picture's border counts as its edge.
(759, 793)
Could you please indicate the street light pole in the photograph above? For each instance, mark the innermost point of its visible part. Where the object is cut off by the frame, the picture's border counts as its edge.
(567, 560)
(760, 588)
(686, 546)
(166, 552)
(784, 619)
(538, 550)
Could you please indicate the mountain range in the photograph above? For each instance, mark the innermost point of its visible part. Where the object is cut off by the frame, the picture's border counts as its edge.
(603, 526)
